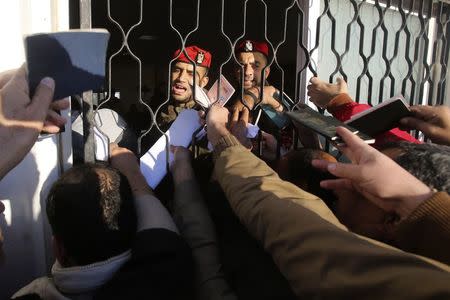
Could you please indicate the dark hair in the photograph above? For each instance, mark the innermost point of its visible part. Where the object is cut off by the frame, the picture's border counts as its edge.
(299, 163)
(428, 162)
(91, 211)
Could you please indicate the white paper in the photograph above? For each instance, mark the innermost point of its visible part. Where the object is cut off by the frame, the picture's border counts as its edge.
(153, 163)
(112, 125)
(201, 97)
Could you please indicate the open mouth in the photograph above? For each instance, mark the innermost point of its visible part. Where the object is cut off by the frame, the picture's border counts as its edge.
(178, 89)
(248, 83)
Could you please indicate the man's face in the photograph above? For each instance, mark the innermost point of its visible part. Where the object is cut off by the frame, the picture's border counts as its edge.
(253, 64)
(182, 78)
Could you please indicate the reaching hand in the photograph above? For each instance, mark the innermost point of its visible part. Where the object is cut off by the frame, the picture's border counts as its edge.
(127, 163)
(54, 120)
(21, 118)
(270, 97)
(433, 121)
(375, 176)
(238, 127)
(321, 92)
(216, 121)
(182, 158)
(181, 168)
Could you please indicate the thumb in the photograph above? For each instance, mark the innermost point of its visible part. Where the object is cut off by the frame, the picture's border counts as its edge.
(417, 124)
(42, 98)
(339, 80)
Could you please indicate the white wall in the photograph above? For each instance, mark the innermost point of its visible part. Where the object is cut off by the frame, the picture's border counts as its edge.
(23, 190)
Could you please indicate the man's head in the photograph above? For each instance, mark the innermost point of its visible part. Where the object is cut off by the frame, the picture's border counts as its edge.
(429, 163)
(182, 72)
(296, 167)
(253, 57)
(91, 212)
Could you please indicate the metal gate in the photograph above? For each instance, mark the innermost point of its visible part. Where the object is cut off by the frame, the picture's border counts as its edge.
(381, 48)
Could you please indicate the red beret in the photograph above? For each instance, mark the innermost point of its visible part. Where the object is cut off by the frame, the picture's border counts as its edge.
(198, 55)
(253, 46)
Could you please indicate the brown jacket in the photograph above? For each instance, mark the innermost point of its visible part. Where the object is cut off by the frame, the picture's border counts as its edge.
(427, 230)
(318, 258)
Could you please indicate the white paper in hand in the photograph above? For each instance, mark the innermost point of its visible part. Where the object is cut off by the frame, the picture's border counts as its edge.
(153, 163)
(201, 97)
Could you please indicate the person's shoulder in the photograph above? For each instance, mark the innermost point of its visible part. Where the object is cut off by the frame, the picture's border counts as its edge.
(161, 260)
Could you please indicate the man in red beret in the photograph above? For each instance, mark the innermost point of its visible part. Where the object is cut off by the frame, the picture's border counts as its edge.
(182, 80)
(252, 57)
(181, 95)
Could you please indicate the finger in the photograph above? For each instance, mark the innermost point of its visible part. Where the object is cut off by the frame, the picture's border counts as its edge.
(320, 164)
(337, 184)
(314, 80)
(42, 98)
(51, 128)
(234, 117)
(60, 104)
(423, 111)
(245, 114)
(352, 141)
(173, 148)
(339, 80)
(55, 118)
(417, 124)
(347, 152)
(342, 170)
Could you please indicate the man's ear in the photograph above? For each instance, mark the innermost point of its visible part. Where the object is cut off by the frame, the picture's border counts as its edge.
(204, 81)
(266, 72)
(60, 251)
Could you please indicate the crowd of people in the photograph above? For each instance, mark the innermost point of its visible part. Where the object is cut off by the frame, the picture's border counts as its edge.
(303, 225)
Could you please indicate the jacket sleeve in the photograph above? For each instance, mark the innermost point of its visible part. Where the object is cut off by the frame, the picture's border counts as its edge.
(196, 227)
(342, 107)
(319, 259)
(427, 230)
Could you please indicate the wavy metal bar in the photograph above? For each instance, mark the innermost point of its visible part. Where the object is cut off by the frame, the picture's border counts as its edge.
(316, 47)
(439, 47)
(396, 46)
(333, 46)
(444, 54)
(347, 39)
(126, 46)
(372, 50)
(409, 62)
(425, 21)
(88, 115)
(294, 5)
(169, 85)
(361, 53)
(384, 52)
